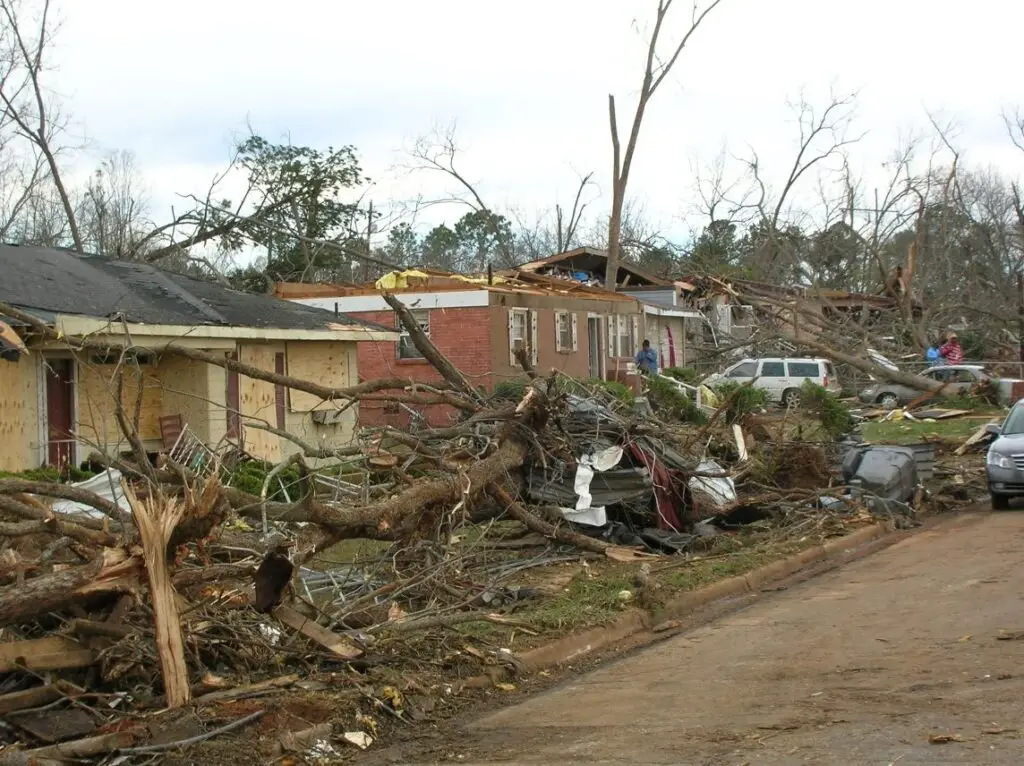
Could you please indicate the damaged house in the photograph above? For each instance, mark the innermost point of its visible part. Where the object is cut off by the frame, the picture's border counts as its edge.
(675, 331)
(58, 407)
(479, 323)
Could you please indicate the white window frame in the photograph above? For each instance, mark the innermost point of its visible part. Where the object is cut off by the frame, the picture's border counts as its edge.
(529, 335)
(622, 326)
(422, 316)
(569, 319)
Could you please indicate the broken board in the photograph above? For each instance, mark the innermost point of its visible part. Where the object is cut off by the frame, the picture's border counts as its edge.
(52, 653)
(940, 413)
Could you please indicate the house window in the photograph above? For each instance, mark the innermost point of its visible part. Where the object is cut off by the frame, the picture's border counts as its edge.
(406, 348)
(627, 329)
(565, 331)
(232, 399)
(522, 334)
(280, 392)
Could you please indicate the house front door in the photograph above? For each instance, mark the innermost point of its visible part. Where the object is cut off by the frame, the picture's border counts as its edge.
(60, 412)
(594, 339)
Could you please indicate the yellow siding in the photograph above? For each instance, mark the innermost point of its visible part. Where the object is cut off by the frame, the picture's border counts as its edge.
(19, 414)
(97, 392)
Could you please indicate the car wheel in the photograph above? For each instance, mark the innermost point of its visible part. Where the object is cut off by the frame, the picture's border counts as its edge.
(791, 398)
(1000, 502)
(889, 401)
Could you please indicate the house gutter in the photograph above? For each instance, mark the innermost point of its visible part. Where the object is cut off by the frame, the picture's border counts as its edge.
(76, 325)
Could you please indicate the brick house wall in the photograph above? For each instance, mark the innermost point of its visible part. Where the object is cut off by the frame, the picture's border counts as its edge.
(461, 334)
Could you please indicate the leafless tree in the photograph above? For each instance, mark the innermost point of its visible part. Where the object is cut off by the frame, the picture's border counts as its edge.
(25, 39)
(655, 72)
(114, 209)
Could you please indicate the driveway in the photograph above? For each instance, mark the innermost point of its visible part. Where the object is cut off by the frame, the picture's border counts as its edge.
(875, 663)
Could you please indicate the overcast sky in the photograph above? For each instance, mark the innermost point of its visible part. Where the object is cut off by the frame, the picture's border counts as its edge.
(527, 83)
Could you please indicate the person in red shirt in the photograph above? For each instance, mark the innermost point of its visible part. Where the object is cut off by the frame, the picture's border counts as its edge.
(951, 350)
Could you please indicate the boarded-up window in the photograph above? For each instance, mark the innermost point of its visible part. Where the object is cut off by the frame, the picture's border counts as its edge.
(280, 392)
(234, 407)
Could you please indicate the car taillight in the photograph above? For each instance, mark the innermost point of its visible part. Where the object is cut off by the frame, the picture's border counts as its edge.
(826, 381)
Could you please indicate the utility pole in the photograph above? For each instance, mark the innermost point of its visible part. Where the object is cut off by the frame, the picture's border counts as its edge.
(369, 233)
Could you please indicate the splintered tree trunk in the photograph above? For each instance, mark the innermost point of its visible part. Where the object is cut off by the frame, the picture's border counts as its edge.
(156, 517)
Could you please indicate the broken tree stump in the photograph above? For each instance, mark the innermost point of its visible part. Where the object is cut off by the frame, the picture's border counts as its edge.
(156, 518)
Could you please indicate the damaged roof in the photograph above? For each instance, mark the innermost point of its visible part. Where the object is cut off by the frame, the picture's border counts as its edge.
(593, 262)
(47, 281)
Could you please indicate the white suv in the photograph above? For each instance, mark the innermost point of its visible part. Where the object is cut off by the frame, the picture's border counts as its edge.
(780, 378)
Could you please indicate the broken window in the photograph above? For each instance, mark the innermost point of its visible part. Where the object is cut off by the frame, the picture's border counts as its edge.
(522, 334)
(406, 348)
(565, 331)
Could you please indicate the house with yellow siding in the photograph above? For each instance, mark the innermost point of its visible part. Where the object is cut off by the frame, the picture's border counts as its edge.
(58, 406)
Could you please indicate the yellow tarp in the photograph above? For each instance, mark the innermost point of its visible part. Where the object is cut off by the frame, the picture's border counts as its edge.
(709, 397)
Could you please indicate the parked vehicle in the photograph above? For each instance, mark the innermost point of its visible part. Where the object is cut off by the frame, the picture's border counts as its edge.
(1004, 463)
(959, 380)
(780, 378)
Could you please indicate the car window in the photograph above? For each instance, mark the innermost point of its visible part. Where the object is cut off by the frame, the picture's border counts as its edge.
(1014, 423)
(942, 375)
(964, 376)
(804, 370)
(773, 370)
(745, 370)
(830, 370)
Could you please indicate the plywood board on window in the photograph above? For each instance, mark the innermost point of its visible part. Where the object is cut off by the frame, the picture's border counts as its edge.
(97, 402)
(257, 400)
(19, 415)
(323, 362)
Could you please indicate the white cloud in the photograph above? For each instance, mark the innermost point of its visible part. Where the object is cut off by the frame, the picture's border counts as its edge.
(527, 83)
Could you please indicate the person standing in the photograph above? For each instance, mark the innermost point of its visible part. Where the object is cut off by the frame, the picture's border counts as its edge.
(952, 351)
(647, 359)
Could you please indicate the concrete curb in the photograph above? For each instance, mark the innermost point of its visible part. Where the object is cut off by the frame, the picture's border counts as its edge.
(842, 550)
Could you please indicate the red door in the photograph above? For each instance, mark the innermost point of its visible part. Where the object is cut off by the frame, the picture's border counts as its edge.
(60, 411)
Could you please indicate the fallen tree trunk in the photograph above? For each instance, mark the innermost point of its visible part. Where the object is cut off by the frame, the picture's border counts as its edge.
(535, 523)
(109, 572)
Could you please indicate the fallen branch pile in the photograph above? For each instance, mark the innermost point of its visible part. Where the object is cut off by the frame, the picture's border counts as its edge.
(132, 606)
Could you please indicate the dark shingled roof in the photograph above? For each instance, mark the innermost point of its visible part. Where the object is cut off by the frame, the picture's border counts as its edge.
(63, 282)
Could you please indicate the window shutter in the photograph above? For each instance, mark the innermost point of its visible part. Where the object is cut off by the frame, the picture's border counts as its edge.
(558, 331)
(612, 350)
(636, 334)
(234, 430)
(533, 338)
(511, 345)
(575, 338)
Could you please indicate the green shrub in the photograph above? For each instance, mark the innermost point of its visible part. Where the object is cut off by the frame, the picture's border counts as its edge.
(510, 390)
(613, 388)
(740, 400)
(47, 474)
(835, 416)
(669, 400)
(250, 475)
(685, 374)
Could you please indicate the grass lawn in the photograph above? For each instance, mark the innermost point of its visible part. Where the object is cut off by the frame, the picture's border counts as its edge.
(910, 432)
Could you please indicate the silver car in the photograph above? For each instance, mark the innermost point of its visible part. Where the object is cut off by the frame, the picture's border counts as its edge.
(1004, 463)
(960, 379)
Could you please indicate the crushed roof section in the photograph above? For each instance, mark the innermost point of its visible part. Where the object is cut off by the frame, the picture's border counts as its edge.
(507, 282)
(47, 281)
(590, 260)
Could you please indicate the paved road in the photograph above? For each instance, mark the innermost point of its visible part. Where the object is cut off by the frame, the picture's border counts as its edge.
(862, 665)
